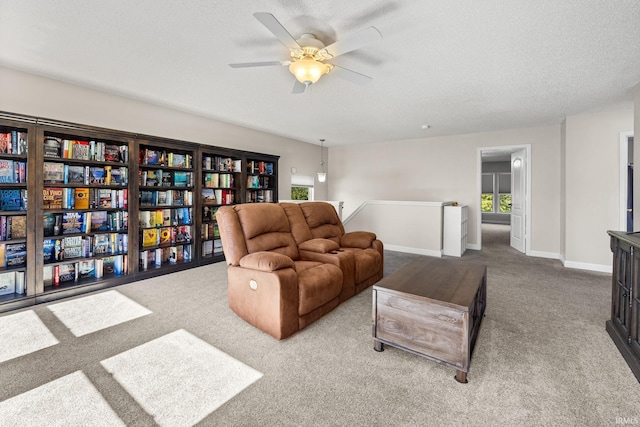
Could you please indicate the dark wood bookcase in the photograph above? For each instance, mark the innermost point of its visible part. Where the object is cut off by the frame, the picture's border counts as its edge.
(17, 218)
(221, 173)
(165, 205)
(82, 229)
(108, 207)
(261, 178)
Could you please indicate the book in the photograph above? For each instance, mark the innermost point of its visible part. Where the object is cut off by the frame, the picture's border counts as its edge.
(72, 222)
(118, 176)
(52, 224)
(7, 173)
(18, 227)
(183, 234)
(154, 178)
(81, 196)
(53, 173)
(105, 198)
(166, 178)
(112, 153)
(15, 254)
(5, 142)
(67, 272)
(210, 180)
(86, 269)
(149, 237)
(52, 198)
(11, 200)
(209, 196)
(80, 150)
(99, 221)
(7, 283)
(75, 175)
(52, 146)
(101, 244)
(97, 175)
(73, 247)
(178, 160)
(181, 179)
(166, 234)
(144, 218)
(21, 285)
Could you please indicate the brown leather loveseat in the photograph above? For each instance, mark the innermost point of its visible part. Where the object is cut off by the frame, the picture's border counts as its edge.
(289, 264)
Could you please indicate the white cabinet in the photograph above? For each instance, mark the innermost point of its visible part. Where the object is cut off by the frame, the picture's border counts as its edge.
(454, 231)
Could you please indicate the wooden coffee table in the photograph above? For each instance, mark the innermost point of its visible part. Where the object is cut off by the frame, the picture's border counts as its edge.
(433, 308)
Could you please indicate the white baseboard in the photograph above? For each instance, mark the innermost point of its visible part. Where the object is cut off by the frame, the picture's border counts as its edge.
(541, 254)
(473, 246)
(417, 251)
(586, 266)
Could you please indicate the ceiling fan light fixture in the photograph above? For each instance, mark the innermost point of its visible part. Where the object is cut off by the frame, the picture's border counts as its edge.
(308, 70)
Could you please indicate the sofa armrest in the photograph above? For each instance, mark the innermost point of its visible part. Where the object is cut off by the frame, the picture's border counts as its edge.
(266, 261)
(321, 246)
(358, 239)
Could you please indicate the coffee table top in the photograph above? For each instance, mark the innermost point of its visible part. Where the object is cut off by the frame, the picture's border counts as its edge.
(439, 279)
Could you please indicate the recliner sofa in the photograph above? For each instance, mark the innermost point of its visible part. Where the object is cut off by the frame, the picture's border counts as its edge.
(289, 264)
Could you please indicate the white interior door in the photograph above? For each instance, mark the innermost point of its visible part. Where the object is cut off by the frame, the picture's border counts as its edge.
(518, 199)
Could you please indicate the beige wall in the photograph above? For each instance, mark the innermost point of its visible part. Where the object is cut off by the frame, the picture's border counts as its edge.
(28, 94)
(446, 169)
(592, 183)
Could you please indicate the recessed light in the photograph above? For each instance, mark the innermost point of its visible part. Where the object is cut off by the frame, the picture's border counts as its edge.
(426, 126)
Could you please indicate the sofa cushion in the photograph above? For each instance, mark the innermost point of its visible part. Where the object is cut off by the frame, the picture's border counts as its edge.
(266, 228)
(266, 261)
(358, 239)
(299, 228)
(321, 246)
(317, 286)
(323, 221)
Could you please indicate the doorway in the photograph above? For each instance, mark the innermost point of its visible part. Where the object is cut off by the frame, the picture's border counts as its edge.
(626, 181)
(506, 170)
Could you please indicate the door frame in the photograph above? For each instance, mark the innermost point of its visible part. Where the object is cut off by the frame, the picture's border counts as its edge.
(624, 159)
(527, 212)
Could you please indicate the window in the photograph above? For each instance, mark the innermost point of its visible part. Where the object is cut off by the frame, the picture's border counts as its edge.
(299, 193)
(496, 192)
(301, 187)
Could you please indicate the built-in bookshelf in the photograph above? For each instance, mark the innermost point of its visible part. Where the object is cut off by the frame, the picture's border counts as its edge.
(84, 209)
(108, 207)
(166, 179)
(261, 179)
(221, 174)
(13, 210)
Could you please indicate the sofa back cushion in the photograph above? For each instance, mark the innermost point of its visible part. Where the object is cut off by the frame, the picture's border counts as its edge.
(299, 227)
(323, 221)
(266, 228)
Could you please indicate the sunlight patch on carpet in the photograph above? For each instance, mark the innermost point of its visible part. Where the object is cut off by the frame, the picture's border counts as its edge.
(68, 401)
(178, 378)
(23, 333)
(96, 312)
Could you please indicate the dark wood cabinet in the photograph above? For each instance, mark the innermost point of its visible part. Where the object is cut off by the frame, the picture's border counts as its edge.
(624, 325)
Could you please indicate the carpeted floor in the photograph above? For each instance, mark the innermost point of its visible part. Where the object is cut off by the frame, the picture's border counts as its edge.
(176, 355)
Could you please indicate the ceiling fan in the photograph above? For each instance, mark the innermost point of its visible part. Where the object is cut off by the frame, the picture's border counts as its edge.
(308, 54)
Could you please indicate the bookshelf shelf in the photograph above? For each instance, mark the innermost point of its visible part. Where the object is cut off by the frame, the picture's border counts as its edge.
(93, 194)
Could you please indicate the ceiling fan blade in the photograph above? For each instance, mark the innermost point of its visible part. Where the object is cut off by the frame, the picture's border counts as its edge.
(258, 64)
(350, 75)
(353, 42)
(278, 30)
(298, 87)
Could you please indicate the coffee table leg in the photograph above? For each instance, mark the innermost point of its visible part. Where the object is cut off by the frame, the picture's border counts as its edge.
(378, 346)
(461, 377)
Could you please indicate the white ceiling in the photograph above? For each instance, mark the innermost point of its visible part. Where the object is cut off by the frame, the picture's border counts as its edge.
(464, 66)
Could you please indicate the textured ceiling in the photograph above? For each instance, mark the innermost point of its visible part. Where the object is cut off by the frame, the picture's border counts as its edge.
(464, 66)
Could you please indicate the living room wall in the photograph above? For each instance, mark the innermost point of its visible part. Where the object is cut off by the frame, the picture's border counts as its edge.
(25, 93)
(565, 224)
(592, 186)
